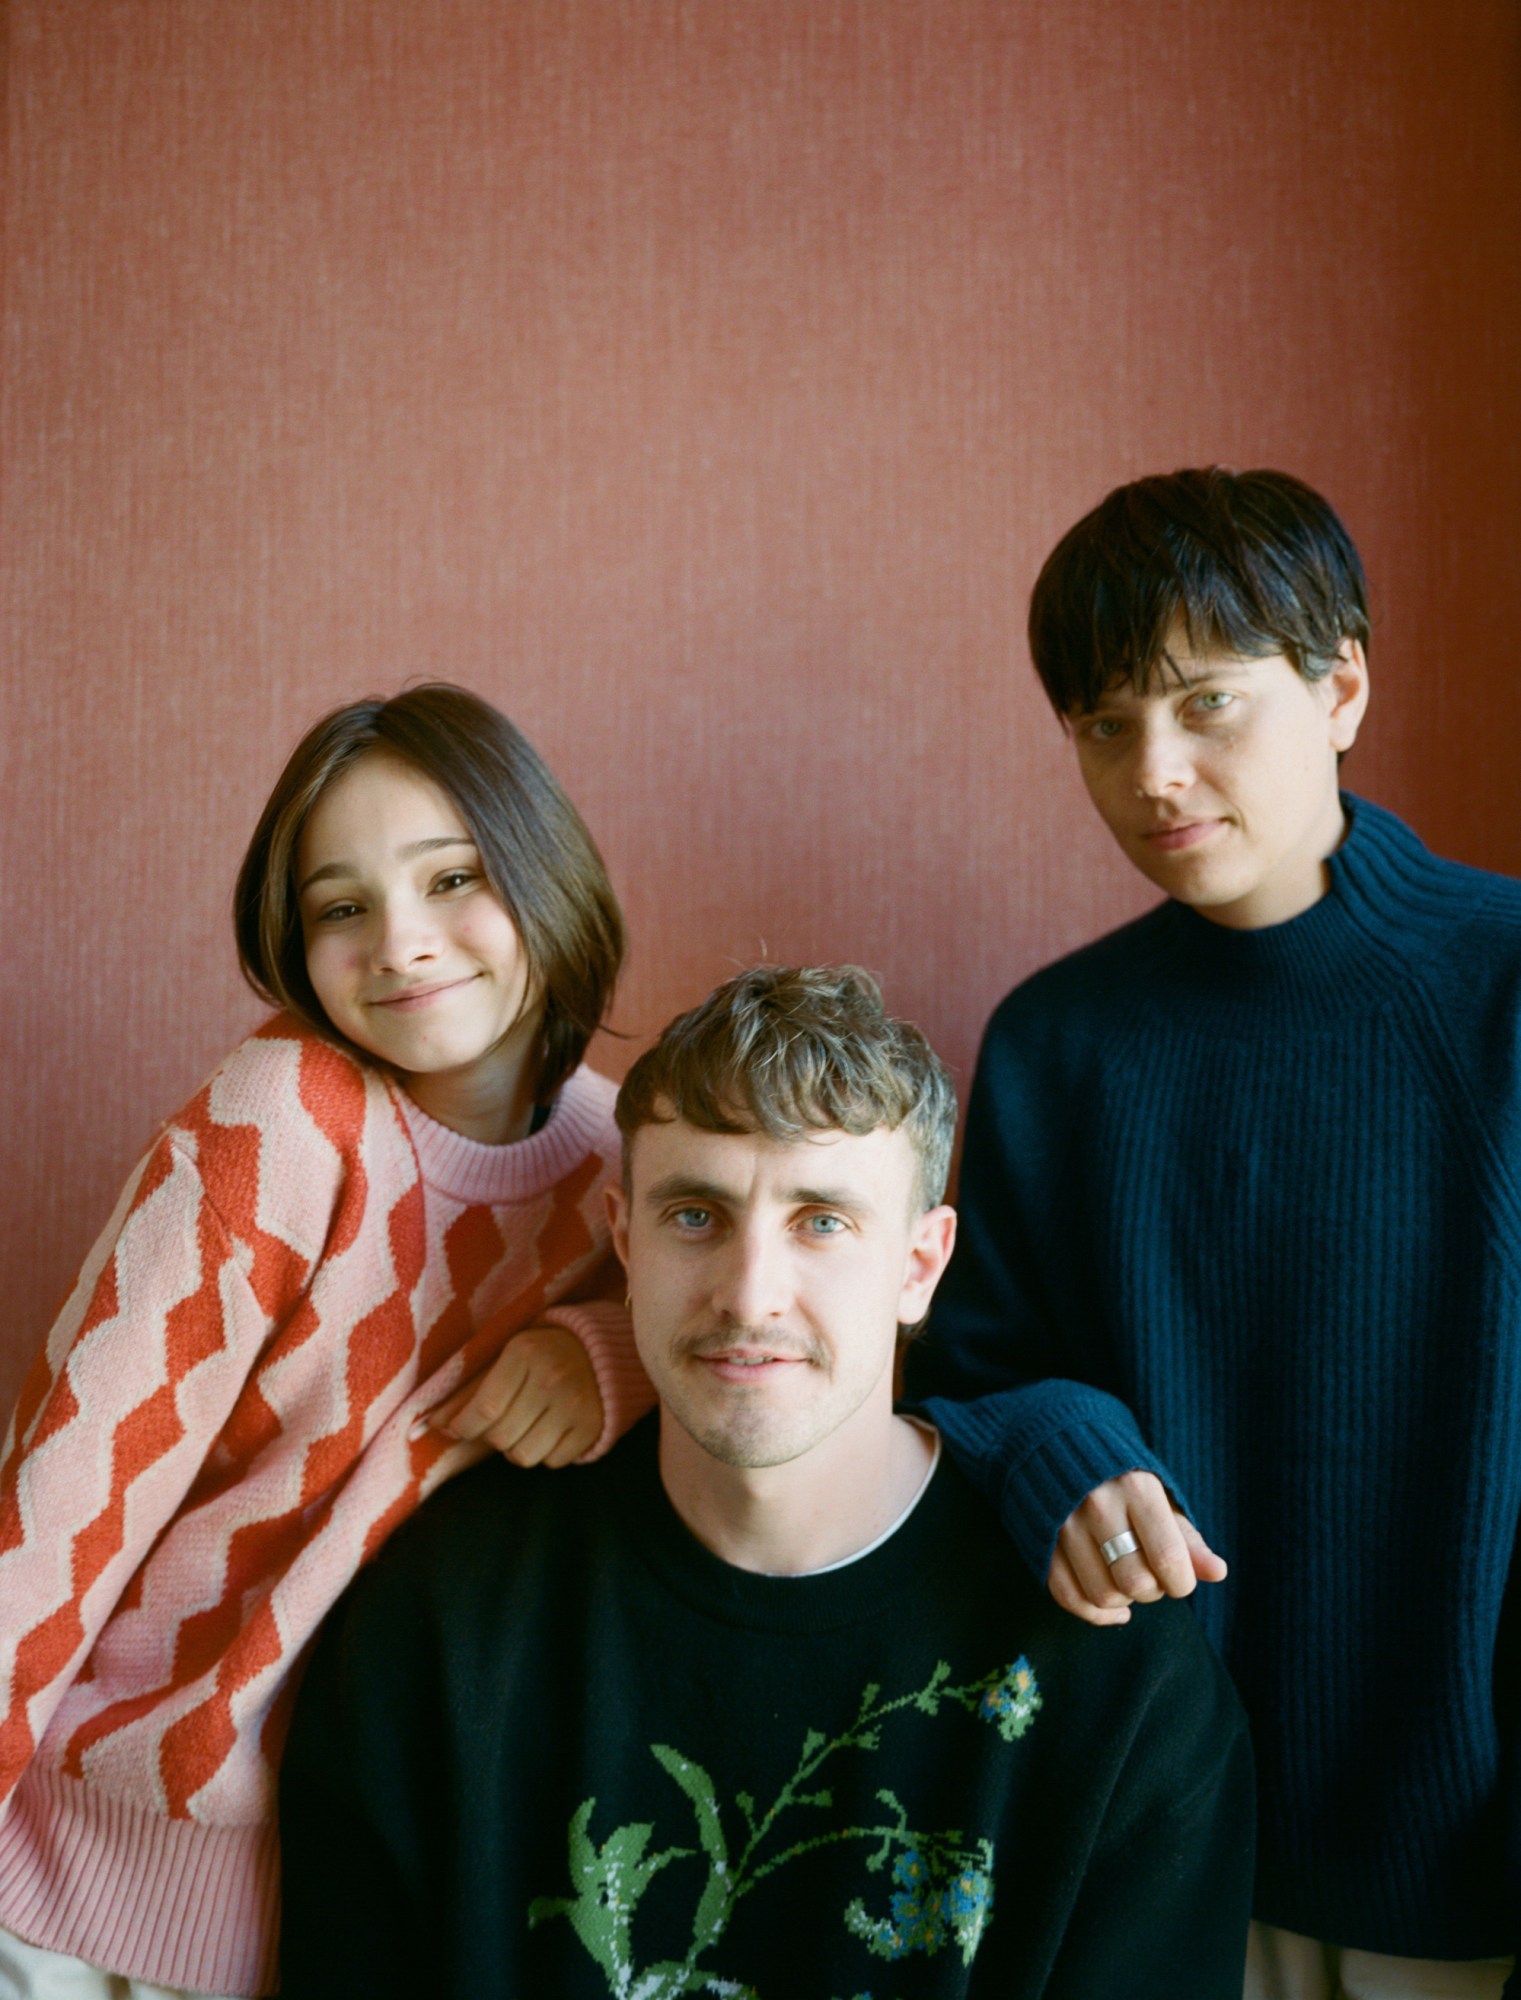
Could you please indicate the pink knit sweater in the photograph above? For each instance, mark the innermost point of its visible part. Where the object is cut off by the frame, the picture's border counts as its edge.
(221, 1428)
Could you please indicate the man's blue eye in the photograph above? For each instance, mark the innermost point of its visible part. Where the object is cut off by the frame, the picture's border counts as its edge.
(825, 1225)
(693, 1218)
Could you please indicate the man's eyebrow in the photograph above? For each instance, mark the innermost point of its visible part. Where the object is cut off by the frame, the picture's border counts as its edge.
(809, 1197)
(709, 1194)
(687, 1187)
(342, 870)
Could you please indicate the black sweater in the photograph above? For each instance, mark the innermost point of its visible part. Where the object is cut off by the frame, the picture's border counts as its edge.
(550, 1746)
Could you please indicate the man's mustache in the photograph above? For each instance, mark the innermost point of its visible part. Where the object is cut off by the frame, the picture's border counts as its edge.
(766, 1340)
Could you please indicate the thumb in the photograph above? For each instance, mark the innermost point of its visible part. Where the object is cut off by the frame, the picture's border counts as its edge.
(1208, 1567)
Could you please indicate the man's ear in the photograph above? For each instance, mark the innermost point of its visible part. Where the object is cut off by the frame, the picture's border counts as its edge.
(930, 1247)
(617, 1220)
(1347, 686)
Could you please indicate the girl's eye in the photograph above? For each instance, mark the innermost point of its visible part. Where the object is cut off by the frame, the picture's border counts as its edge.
(1102, 729)
(455, 879)
(337, 913)
(1213, 700)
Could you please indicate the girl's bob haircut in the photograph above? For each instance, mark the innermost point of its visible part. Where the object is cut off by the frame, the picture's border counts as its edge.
(534, 848)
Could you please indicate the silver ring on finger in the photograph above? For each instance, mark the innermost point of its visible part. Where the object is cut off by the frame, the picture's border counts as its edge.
(1122, 1544)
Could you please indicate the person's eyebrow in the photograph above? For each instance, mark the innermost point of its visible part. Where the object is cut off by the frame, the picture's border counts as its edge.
(687, 1187)
(841, 1198)
(342, 870)
(1188, 673)
(1177, 681)
(708, 1194)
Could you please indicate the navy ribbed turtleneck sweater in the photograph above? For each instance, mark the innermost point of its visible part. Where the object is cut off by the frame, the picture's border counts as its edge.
(1244, 1208)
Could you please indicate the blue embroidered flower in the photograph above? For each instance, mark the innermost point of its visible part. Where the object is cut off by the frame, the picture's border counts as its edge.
(1011, 1703)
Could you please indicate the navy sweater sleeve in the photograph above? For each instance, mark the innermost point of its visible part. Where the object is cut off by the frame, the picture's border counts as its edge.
(994, 1369)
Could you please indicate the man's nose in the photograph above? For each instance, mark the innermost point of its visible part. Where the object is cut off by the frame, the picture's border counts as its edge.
(751, 1284)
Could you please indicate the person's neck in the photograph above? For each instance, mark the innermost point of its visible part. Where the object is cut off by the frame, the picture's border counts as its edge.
(818, 1509)
(1303, 881)
(491, 1101)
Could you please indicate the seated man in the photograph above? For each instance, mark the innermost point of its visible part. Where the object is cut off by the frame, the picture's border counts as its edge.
(764, 1703)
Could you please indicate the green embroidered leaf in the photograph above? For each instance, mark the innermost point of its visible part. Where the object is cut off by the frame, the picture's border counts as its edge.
(622, 1852)
(698, 1786)
(583, 1856)
(928, 1698)
(711, 1914)
(812, 1742)
(814, 1799)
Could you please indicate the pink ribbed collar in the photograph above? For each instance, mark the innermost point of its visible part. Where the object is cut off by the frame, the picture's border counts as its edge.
(471, 1171)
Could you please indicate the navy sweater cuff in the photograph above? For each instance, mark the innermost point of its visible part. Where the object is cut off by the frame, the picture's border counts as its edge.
(1036, 1453)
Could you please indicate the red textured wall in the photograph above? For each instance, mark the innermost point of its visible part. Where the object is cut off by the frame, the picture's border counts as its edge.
(702, 380)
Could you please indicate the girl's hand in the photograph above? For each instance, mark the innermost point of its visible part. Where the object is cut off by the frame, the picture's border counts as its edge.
(538, 1403)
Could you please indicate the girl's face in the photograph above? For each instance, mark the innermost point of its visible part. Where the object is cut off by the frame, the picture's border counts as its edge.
(408, 949)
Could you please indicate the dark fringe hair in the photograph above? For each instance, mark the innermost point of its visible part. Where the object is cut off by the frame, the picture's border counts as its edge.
(1252, 563)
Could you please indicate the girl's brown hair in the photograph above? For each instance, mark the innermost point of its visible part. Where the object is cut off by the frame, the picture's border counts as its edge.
(534, 848)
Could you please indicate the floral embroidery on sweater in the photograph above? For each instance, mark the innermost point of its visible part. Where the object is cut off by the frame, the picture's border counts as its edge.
(943, 1893)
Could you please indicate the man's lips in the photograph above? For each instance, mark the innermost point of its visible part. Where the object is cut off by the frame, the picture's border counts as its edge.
(1178, 834)
(740, 1363)
(419, 996)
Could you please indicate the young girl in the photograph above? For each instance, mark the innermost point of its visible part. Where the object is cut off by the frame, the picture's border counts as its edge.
(397, 1174)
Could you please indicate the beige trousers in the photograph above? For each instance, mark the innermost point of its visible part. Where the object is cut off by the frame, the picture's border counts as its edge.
(1281, 1965)
(27, 1972)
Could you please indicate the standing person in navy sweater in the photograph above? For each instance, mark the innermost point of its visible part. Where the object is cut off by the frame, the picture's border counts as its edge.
(1240, 1252)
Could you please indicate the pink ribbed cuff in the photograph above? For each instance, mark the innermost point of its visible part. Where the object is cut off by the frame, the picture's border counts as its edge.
(168, 1901)
(602, 1326)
